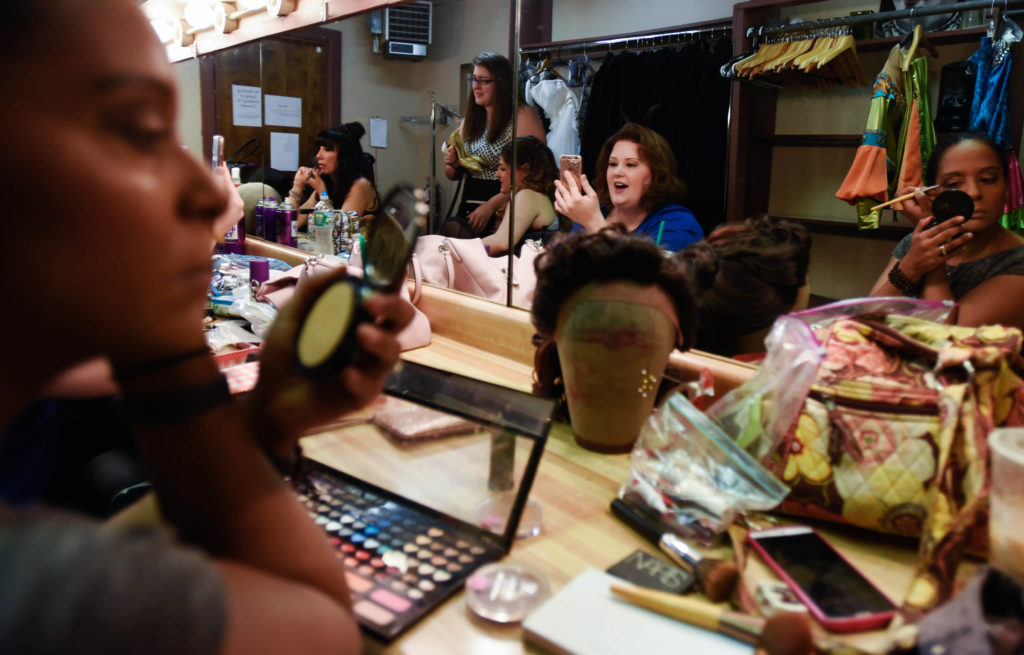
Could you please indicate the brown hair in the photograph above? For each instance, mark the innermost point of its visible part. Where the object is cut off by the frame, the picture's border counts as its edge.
(539, 162)
(606, 255)
(476, 116)
(745, 276)
(654, 150)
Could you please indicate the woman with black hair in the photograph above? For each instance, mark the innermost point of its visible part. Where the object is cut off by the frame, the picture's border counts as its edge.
(486, 128)
(342, 169)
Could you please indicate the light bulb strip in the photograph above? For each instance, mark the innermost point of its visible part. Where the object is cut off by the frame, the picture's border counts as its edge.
(235, 15)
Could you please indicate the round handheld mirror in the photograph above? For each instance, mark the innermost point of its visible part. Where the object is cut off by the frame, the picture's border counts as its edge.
(950, 203)
(327, 338)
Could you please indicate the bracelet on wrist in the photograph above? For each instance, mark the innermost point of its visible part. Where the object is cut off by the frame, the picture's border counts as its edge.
(905, 285)
(177, 405)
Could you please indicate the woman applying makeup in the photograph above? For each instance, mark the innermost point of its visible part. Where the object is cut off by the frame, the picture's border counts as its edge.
(342, 169)
(241, 569)
(973, 260)
(486, 128)
(636, 187)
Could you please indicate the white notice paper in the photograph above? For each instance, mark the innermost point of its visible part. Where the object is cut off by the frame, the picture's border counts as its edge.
(245, 105)
(378, 133)
(284, 151)
(283, 110)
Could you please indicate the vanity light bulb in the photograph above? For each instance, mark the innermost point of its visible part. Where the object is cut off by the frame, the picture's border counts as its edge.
(252, 4)
(199, 14)
(164, 30)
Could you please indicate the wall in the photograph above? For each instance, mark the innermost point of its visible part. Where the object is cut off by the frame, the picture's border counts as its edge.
(581, 19)
(190, 122)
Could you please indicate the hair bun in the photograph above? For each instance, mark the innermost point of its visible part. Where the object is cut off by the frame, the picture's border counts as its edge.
(355, 130)
(702, 263)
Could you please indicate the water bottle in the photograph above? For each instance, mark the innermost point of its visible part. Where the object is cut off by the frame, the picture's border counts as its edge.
(323, 226)
(270, 220)
(287, 224)
(257, 219)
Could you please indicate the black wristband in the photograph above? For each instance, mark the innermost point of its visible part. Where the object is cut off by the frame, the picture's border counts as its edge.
(899, 280)
(176, 405)
(133, 372)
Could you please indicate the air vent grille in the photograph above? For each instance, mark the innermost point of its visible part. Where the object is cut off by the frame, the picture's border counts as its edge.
(409, 23)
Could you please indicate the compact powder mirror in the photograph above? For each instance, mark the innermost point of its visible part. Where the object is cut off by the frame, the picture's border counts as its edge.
(950, 203)
(327, 339)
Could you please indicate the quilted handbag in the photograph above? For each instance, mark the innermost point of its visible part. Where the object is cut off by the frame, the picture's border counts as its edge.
(890, 433)
(464, 265)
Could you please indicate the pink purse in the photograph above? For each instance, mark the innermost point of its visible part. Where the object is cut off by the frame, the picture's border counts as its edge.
(280, 290)
(464, 265)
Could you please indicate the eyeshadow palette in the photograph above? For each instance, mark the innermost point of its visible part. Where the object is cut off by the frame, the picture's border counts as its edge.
(405, 520)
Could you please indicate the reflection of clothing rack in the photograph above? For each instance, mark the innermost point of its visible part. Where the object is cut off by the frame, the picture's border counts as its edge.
(881, 16)
(560, 50)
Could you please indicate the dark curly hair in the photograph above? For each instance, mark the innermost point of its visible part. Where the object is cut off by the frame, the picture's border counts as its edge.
(947, 141)
(745, 276)
(654, 150)
(353, 163)
(610, 254)
(540, 162)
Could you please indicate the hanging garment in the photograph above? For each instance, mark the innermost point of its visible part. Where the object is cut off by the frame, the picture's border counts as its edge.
(917, 134)
(561, 105)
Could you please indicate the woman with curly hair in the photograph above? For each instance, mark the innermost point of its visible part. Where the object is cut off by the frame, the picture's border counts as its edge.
(535, 191)
(745, 276)
(637, 187)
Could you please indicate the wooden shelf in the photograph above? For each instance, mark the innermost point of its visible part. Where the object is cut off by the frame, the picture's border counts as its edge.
(885, 232)
(811, 140)
(968, 35)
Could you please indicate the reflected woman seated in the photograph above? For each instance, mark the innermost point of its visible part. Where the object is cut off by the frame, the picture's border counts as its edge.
(535, 193)
(342, 169)
(745, 276)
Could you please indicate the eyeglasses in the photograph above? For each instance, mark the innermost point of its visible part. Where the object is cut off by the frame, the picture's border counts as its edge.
(480, 81)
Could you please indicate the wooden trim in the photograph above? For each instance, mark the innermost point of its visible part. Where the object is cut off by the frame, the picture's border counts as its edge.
(725, 22)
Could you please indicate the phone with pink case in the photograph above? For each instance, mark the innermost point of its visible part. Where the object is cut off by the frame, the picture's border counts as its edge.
(836, 594)
(571, 163)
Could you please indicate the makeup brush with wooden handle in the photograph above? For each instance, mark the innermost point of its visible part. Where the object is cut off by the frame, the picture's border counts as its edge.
(717, 578)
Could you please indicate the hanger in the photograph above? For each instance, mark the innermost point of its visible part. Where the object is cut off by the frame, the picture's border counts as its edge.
(917, 40)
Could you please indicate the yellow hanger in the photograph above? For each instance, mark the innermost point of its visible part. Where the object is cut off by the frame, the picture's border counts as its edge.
(919, 40)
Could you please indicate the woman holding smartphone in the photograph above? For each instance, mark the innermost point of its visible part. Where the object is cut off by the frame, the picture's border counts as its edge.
(486, 128)
(240, 567)
(973, 260)
(636, 187)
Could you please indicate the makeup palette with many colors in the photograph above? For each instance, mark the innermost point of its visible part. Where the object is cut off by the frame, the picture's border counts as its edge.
(402, 557)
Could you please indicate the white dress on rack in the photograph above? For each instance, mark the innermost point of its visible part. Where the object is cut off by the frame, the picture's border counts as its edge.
(561, 104)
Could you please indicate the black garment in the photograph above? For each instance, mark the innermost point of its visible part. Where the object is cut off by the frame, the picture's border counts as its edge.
(679, 93)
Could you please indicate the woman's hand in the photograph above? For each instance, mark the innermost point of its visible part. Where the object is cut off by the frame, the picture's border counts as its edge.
(578, 202)
(309, 176)
(918, 207)
(450, 158)
(286, 403)
(933, 246)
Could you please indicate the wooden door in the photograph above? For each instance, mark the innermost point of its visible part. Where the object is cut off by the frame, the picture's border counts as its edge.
(304, 65)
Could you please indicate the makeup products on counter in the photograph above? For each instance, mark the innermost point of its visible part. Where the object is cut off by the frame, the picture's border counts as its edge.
(402, 515)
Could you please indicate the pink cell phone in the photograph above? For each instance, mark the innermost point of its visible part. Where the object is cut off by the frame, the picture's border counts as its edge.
(835, 593)
(571, 163)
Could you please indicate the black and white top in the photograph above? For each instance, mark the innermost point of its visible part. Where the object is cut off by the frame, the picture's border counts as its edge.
(489, 152)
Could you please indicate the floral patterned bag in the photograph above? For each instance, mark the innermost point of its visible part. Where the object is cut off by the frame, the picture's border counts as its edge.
(889, 431)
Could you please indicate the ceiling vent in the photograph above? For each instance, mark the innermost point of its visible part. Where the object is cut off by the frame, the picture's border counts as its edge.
(407, 30)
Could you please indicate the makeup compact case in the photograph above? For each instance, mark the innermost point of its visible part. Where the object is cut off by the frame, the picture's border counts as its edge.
(414, 512)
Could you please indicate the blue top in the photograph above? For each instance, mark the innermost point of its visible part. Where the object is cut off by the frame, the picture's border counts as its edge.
(680, 227)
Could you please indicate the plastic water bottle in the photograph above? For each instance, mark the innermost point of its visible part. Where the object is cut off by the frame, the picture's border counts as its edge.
(323, 226)
(287, 224)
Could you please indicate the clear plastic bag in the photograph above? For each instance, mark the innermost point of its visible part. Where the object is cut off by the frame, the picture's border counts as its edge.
(757, 414)
(694, 476)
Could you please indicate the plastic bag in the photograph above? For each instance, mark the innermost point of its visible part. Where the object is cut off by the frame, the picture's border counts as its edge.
(688, 471)
(757, 414)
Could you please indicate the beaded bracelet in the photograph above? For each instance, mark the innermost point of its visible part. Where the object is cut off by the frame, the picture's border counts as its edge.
(905, 285)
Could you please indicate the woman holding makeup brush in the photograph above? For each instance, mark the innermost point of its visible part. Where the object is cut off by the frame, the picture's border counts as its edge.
(239, 567)
(342, 169)
(973, 260)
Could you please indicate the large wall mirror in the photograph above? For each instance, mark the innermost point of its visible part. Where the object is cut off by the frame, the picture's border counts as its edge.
(335, 72)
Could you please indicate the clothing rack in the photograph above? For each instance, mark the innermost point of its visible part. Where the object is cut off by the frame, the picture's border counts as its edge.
(649, 41)
(882, 16)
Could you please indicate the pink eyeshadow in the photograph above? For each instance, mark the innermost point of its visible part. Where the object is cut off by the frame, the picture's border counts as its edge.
(373, 612)
(390, 600)
(357, 584)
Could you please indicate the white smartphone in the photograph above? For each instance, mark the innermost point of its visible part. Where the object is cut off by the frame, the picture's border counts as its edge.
(217, 151)
(835, 593)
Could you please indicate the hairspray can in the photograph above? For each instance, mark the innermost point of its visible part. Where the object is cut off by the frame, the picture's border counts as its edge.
(287, 224)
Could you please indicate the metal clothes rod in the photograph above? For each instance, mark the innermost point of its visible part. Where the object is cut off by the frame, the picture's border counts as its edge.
(637, 41)
(882, 16)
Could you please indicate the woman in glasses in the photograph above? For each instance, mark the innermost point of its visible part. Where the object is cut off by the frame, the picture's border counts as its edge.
(486, 129)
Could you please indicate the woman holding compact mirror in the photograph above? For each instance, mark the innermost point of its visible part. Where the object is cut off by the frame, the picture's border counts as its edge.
(961, 252)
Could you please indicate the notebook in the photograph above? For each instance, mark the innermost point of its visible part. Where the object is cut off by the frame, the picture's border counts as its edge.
(584, 618)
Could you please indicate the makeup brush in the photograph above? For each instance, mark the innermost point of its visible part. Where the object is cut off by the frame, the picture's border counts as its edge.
(782, 634)
(905, 196)
(717, 578)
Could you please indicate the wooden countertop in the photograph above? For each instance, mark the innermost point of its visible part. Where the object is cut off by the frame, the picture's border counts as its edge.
(574, 487)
